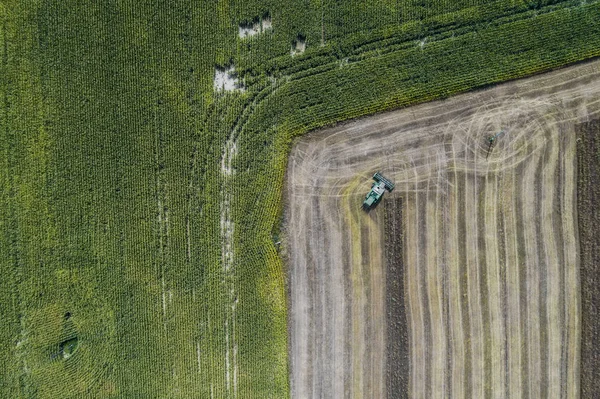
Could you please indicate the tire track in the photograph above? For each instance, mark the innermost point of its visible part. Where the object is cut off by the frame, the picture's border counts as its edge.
(483, 286)
(572, 284)
(521, 266)
(532, 294)
(458, 371)
(418, 325)
(422, 267)
(495, 290)
(473, 284)
(513, 283)
(552, 281)
(435, 287)
(503, 293)
(444, 233)
(375, 386)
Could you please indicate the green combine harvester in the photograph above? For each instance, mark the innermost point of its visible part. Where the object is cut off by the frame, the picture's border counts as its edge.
(377, 190)
(492, 141)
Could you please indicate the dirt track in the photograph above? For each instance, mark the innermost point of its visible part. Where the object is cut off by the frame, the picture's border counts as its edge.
(490, 245)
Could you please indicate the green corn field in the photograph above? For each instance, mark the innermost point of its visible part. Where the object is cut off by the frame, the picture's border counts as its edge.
(141, 203)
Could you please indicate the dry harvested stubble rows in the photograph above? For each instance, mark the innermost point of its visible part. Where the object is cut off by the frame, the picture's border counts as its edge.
(490, 247)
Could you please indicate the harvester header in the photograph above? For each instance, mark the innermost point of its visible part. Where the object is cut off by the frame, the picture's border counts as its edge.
(377, 190)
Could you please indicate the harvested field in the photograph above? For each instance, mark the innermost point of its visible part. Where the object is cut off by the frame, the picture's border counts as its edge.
(489, 247)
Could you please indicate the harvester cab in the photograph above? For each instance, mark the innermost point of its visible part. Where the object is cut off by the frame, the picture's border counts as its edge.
(492, 142)
(377, 190)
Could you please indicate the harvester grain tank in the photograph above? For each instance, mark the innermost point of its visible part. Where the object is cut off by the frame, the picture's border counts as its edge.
(377, 190)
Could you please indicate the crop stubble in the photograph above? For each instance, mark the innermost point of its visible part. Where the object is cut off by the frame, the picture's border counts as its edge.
(490, 252)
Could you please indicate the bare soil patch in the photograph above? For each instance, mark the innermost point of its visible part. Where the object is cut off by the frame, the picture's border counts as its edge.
(588, 201)
(397, 346)
(226, 79)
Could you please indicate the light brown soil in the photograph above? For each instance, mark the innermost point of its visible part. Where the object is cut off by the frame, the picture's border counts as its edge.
(490, 250)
